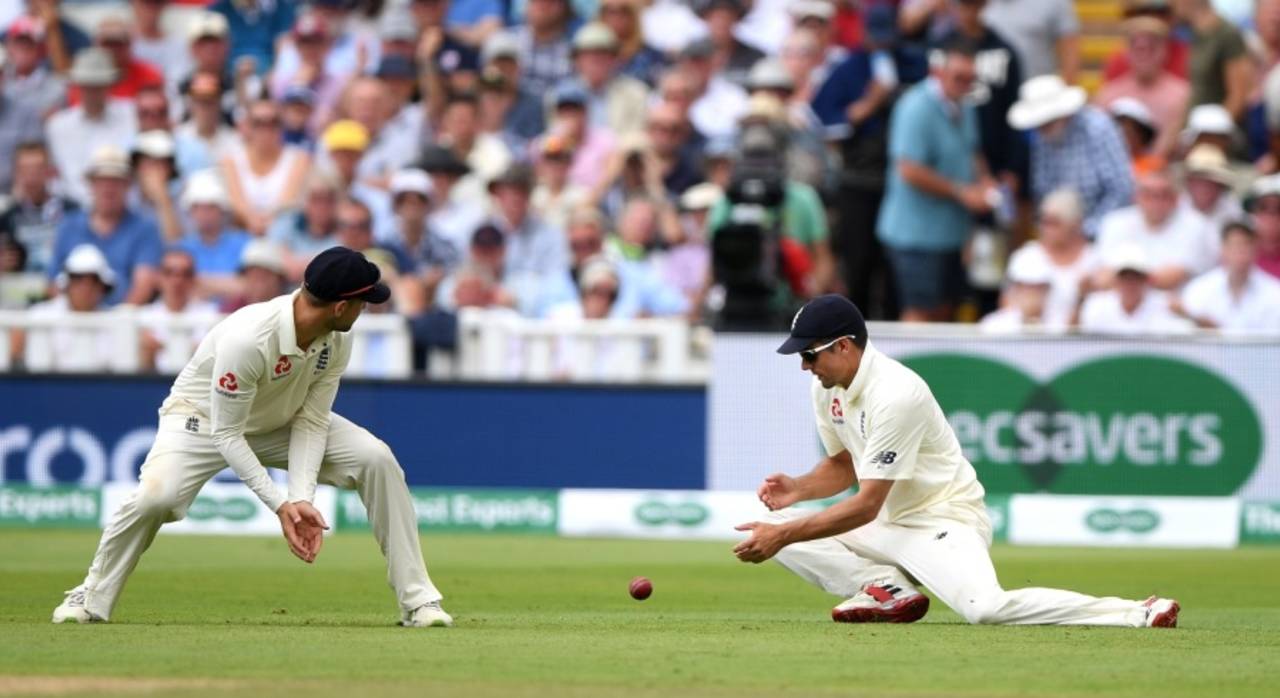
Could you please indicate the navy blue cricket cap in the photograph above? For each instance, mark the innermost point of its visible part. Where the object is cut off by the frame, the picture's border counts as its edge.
(823, 318)
(342, 274)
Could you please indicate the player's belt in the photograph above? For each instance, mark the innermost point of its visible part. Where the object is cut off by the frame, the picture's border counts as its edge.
(191, 424)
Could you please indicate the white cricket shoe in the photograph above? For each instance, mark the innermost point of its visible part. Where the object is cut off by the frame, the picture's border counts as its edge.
(72, 609)
(882, 602)
(428, 616)
(1162, 613)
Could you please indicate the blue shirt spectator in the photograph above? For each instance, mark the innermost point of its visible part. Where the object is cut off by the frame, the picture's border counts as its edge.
(217, 255)
(254, 26)
(132, 246)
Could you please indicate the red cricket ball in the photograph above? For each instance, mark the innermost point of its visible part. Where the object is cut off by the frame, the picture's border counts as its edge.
(641, 588)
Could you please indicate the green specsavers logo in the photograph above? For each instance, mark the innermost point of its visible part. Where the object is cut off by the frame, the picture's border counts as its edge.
(1132, 521)
(659, 513)
(1125, 425)
(207, 508)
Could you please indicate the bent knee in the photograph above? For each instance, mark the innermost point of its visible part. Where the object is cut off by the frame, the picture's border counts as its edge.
(381, 459)
(158, 499)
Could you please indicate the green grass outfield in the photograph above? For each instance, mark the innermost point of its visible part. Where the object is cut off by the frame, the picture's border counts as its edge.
(208, 616)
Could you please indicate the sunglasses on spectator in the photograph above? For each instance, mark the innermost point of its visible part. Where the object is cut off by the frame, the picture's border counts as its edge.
(184, 272)
(153, 113)
(354, 225)
(1162, 192)
(267, 122)
(584, 245)
(1270, 207)
(811, 355)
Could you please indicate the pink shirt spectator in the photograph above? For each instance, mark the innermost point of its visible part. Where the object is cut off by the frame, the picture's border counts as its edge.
(1166, 98)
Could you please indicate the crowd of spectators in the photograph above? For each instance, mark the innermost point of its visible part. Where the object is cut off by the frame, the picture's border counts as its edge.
(570, 159)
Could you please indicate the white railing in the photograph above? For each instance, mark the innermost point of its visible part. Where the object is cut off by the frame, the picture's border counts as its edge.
(500, 345)
(110, 342)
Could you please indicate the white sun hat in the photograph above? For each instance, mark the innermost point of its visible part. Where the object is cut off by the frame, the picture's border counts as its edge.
(86, 259)
(1043, 99)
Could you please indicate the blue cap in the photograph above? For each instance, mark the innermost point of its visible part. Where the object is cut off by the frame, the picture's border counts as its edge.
(300, 94)
(342, 274)
(824, 318)
(396, 66)
(570, 93)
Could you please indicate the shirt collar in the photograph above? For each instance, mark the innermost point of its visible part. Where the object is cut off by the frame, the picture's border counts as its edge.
(950, 108)
(865, 367)
(288, 332)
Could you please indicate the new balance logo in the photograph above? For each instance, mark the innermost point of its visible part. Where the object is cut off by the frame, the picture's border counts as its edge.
(193, 425)
(940, 536)
(885, 458)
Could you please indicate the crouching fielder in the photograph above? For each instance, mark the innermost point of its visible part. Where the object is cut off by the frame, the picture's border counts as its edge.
(258, 392)
(918, 514)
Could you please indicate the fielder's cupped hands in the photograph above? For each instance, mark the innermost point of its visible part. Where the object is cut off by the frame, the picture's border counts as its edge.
(778, 491)
(303, 529)
(765, 541)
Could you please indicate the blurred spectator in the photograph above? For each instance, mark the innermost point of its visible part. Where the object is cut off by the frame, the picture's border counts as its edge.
(296, 109)
(215, 247)
(74, 133)
(115, 37)
(369, 103)
(209, 49)
(205, 139)
(343, 146)
(523, 115)
(1062, 248)
(1165, 95)
(937, 182)
(398, 30)
(1236, 297)
(155, 174)
(350, 50)
(593, 148)
(1074, 147)
(684, 266)
(153, 46)
(999, 75)
(1263, 204)
(733, 58)
(449, 64)
(1170, 236)
(806, 152)
(1177, 54)
(19, 123)
(717, 161)
(545, 44)
(717, 103)
(406, 116)
(431, 255)
(801, 59)
(1138, 129)
(355, 231)
(151, 106)
(533, 246)
(483, 280)
(1221, 71)
(1211, 124)
(173, 325)
(1264, 39)
(1208, 190)
(84, 282)
(453, 218)
(644, 225)
(474, 21)
(814, 17)
(63, 39)
(263, 175)
(635, 57)
(302, 233)
(34, 213)
(485, 153)
(1133, 307)
(1029, 281)
(27, 79)
(312, 41)
(615, 102)
(262, 275)
(1046, 34)
(130, 242)
(670, 25)
(554, 197)
(254, 26)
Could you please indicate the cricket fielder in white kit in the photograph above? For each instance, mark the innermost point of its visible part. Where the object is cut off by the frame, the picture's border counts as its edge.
(259, 392)
(918, 515)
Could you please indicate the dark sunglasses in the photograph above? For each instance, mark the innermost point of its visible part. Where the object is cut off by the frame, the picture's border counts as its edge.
(811, 355)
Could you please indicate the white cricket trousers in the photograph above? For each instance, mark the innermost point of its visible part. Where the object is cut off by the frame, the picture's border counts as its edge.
(180, 462)
(952, 560)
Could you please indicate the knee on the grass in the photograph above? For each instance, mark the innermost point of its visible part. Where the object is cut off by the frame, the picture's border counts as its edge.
(983, 610)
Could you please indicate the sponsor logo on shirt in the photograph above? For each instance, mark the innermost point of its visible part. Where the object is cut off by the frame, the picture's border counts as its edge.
(837, 413)
(228, 384)
(283, 367)
(884, 458)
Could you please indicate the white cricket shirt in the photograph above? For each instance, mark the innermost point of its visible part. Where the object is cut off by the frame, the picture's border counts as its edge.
(249, 376)
(889, 421)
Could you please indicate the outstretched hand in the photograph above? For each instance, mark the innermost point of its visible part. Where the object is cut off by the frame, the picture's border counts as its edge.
(303, 527)
(765, 541)
(778, 491)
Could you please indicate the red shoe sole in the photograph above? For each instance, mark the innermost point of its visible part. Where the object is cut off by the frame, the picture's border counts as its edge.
(1168, 619)
(906, 611)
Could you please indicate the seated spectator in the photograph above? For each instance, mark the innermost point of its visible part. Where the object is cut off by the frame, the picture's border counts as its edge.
(1132, 307)
(1171, 237)
(1263, 205)
(129, 241)
(1074, 147)
(522, 112)
(84, 282)
(1029, 281)
(554, 197)
(545, 51)
(733, 59)
(1177, 52)
(474, 21)
(263, 176)
(718, 103)
(353, 48)
(1063, 249)
(1046, 34)
(485, 153)
(1165, 95)
(151, 107)
(312, 39)
(27, 77)
(254, 27)
(670, 25)
(153, 46)
(644, 226)
(215, 247)
(396, 128)
(302, 233)
(635, 57)
(1264, 36)
(398, 31)
(173, 325)
(34, 212)
(615, 102)
(75, 133)
(296, 110)
(684, 266)
(342, 148)
(1138, 128)
(1221, 70)
(482, 281)
(533, 246)
(18, 288)
(455, 219)
(1236, 297)
(209, 49)
(20, 122)
(262, 275)
(592, 147)
(432, 256)
(1209, 182)
(155, 173)
(355, 231)
(204, 139)
(115, 37)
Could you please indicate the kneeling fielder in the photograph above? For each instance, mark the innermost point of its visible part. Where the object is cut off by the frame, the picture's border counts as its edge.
(919, 509)
(259, 391)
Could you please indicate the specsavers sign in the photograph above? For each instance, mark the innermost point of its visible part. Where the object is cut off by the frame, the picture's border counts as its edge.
(1180, 522)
